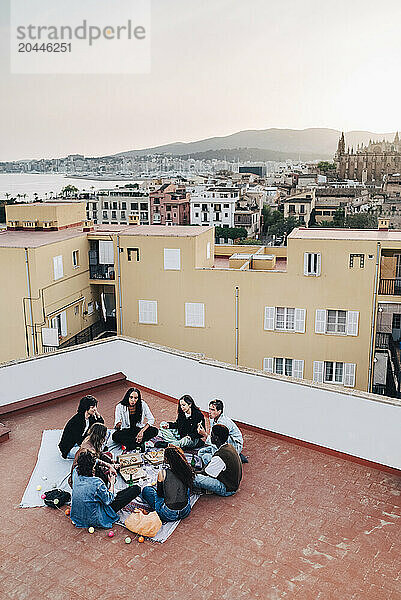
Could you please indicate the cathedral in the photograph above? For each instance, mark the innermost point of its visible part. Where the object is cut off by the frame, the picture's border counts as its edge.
(368, 164)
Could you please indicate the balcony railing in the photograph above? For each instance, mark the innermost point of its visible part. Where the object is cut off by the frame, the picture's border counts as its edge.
(101, 272)
(390, 287)
(382, 341)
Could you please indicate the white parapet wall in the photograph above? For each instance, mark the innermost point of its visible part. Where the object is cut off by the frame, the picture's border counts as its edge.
(352, 422)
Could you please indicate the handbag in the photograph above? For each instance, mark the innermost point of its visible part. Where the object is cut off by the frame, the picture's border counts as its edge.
(147, 525)
(56, 498)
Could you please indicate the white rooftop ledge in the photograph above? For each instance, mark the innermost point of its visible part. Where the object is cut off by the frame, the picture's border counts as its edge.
(360, 424)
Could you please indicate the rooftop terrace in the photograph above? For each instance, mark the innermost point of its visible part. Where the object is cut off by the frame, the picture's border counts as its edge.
(305, 524)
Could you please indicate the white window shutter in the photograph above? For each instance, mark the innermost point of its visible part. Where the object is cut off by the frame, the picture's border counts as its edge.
(352, 322)
(318, 366)
(269, 318)
(58, 267)
(298, 369)
(172, 259)
(106, 252)
(349, 374)
(300, 320)
(319, 264)
(63, 317)
(268, 365)
(147, 310)
(306, 263)
(208, 247)
(320, 321)
(194, 314)
(50, 336)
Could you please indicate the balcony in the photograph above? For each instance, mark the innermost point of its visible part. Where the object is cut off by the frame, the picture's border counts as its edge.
(304, 544)
(390, 287)
(102, 272)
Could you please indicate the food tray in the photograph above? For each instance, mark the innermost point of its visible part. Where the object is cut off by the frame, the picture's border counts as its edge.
(129, 460)
(137, 473)
(154, 457)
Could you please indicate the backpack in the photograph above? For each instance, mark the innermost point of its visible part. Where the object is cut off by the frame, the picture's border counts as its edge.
(60, 495)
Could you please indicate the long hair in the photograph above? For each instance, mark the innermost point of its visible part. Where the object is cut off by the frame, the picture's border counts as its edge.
(175, 459)
(138, 405)
(85, 463)
(97, 436)
(189, 400)
(85, 403)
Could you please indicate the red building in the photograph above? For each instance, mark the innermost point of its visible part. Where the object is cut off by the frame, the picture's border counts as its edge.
(169, 205)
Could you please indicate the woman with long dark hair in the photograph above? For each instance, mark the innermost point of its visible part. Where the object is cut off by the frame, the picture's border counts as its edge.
(78, 426)
(133, 421)
(174, 484)
(94, 443)
(183, 432)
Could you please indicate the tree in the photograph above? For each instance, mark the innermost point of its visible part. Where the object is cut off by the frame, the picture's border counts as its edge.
(284, 227)
(69, 191)
(231, 233)
(325, 167)
(270, 217)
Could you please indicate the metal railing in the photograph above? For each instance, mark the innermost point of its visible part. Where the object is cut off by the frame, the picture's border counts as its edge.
(390, 287)
(382, 341)
(90, 333)
(101, 272)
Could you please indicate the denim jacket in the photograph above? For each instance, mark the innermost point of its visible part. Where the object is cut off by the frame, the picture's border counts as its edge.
(90, 502)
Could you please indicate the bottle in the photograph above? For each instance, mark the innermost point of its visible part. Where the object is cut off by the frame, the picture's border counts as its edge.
(130, 483)
(193, 462)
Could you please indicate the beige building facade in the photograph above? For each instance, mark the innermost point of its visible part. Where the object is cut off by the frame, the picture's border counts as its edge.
(307, 311)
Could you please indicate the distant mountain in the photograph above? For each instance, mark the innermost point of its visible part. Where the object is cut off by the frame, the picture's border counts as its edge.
(320, 142)
(252, 154)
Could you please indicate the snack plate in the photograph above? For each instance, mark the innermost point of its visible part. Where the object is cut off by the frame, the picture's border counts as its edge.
(137, 473)
(154, 457)
(128, 460)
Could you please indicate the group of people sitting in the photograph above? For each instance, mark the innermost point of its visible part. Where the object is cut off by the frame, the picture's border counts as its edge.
(93, 473)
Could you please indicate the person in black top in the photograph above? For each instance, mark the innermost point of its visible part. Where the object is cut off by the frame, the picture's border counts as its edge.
(185, 427)
(171, 498)
(77, 427)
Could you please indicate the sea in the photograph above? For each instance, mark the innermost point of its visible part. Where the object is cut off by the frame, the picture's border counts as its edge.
(43, 184)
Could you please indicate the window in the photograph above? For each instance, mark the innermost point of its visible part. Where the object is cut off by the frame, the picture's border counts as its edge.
(144, 206)
(172, 259)
(194, 314)
(58, 267)
(353, 260)
(134, 205)
(123, 214)
(113, 214)
(312, 263)
(75, 258)
(123, 206)
(133, 254)
(291, 209)
(105, 214)
(226, 206)
(147, 311)
(396, 321)
(302, 209)
(196, 214)
(59, 322)
(197, 205)
(284, 319)
(334, 372)
(284, 366)
(106, 205)
(115, 205)
(343, 322)
(336, 321)
(91, 308)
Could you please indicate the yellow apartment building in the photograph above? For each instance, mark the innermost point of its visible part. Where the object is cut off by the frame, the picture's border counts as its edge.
(326, 308)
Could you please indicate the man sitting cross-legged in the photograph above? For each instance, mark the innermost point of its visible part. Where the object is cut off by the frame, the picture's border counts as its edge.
(235, 438)
(223, 474)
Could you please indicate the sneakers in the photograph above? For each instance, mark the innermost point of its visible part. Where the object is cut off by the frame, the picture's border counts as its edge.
(161, 444)
(244, 459)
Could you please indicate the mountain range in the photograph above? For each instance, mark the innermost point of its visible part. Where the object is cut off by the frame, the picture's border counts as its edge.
(306, 144)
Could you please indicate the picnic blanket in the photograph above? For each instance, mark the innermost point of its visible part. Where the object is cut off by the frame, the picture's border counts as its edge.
(52, 471)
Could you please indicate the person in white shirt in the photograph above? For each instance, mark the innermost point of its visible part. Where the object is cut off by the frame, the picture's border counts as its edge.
(133, 421)
(235, 438)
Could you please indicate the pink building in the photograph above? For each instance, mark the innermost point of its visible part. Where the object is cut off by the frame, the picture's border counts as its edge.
(169, 205)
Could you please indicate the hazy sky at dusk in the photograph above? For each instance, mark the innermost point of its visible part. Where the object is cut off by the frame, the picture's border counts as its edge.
(218, 66)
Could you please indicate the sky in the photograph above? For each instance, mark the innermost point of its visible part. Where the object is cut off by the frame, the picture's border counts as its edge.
(217, 67)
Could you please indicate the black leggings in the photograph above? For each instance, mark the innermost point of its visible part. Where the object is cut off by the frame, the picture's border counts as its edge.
(124, 497)
(127, 437)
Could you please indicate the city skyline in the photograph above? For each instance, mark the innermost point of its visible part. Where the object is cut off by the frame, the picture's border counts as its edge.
(216, 69)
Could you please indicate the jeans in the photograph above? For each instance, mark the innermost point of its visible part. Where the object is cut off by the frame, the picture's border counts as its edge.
(149, 494)
(211, 484)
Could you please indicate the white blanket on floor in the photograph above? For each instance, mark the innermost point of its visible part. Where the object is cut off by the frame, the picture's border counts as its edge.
(52, 471)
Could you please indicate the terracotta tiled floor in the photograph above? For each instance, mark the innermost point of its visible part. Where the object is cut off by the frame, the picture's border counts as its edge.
(303, 526)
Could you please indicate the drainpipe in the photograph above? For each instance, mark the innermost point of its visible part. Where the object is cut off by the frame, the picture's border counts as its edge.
(120, 309)
(372, 333)
(236, 324)
(28, 281)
